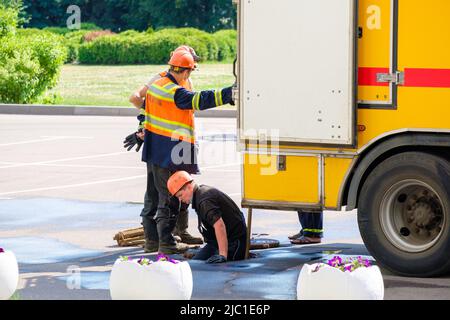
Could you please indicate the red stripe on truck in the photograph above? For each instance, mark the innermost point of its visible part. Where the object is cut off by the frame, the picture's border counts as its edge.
(414, 77)
(368, 76)
(430, 78)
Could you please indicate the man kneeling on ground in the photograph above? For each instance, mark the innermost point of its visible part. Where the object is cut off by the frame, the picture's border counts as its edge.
(220, 220)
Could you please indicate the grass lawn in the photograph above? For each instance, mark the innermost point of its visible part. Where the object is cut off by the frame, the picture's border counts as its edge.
(113, 85)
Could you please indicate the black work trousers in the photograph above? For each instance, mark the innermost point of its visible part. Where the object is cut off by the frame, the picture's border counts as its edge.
(160, 211)
(312, 223)
(236, 249)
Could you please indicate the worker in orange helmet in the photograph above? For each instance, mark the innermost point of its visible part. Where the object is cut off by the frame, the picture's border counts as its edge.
(138, 97)
(150, 204)
(169, 142)
(221, 222)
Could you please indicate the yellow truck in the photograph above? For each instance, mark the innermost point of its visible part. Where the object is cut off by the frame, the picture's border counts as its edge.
(345, 104)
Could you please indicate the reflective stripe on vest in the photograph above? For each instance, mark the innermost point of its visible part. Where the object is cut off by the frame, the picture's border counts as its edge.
(172, 127)
(166, 93)
(162, 116)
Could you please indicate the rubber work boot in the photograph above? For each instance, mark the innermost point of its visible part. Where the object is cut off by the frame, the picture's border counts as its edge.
(181, 229)
(150, 234)
(151, 246)
(188, 238)
(173, 248)
(177, 238)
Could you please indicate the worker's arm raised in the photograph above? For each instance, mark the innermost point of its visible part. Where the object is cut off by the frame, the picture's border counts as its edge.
(137, 98)
(202, 100)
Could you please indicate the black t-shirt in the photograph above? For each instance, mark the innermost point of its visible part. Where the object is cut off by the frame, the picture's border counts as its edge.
(211, 205)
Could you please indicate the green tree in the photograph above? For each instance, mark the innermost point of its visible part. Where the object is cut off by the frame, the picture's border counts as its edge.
(208, 15)
(11, 16)
(44, 13)
(8, 21)
(120, 15)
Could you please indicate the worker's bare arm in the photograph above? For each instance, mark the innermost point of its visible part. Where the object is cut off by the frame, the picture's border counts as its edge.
(137, 98)
(221, 235)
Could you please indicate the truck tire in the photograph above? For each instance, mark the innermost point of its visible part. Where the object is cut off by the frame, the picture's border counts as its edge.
(404, 214)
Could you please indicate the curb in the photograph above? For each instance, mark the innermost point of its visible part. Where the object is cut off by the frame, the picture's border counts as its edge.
(35, 109)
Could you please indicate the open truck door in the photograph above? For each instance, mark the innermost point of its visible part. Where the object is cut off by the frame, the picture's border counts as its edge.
(297, 87)
(300, 69)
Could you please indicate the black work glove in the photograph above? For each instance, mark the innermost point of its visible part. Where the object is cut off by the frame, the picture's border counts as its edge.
(132, 140)
(217, 259)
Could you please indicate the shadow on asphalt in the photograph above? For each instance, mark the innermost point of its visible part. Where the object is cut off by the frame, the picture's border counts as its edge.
(271, 274)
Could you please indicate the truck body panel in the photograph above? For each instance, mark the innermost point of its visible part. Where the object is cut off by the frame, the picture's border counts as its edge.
(405, 37)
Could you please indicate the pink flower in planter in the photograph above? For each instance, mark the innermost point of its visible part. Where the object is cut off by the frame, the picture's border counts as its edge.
(349, 265)
(335, 262)
(144, 262)
(163, 257)
(348, 268)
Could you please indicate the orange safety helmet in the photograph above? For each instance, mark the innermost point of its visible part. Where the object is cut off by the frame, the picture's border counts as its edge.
(182, 59)
(190, 49)
(177, 181)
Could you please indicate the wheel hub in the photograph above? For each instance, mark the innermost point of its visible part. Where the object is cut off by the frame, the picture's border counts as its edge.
(412, 216)
(424, 214)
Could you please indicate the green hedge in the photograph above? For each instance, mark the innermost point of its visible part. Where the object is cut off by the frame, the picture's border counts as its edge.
(227, 42)
(63, 30)
(73, 38)
(132, 47)
(73, 41)
(29, 65)
(150, 47)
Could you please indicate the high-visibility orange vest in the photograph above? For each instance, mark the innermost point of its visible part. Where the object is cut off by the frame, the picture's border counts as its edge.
(185, 84)
(162, 115)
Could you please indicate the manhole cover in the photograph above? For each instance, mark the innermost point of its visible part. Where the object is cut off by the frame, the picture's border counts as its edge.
(263, 243)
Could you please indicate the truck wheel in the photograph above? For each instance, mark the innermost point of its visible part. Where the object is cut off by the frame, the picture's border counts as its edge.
(404, 214)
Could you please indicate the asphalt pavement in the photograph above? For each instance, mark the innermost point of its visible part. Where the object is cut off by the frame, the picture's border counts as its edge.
(67, 186)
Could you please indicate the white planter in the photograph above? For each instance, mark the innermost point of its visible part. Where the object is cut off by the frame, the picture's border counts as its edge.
(333, 284)
(161, 280)
(9, 274)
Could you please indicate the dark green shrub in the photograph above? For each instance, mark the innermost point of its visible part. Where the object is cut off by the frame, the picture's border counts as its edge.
(141, 49)
(63, 30)
(73, 41)
(227, 42)
(203, 42)
(73, 38)
(28, 32)
(29, 65)
(132, 47)
(130, 33)
(100, 51)
(159, 46)
(185, 32)
(89, 26)
(57, 30)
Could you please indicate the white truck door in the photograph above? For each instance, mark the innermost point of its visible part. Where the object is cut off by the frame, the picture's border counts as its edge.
(297, 71)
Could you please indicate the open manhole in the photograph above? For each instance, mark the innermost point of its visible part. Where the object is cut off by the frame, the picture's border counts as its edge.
(262, 243)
